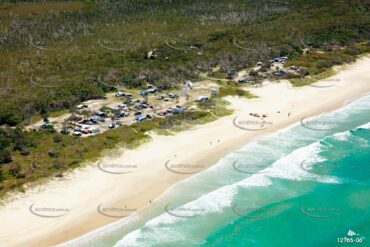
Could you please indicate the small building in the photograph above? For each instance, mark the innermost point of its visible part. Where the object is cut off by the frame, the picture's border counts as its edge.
(230, 74)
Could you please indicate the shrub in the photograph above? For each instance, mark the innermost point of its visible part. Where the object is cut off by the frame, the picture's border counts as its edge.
(5, 156)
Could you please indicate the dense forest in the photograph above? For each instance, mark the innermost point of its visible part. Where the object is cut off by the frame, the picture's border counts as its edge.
(54, 54)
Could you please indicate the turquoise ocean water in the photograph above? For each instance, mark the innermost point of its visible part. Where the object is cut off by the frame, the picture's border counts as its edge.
(307, 185)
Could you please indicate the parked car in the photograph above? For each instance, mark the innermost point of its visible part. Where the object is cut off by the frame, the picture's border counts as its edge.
(101, 114)
(159, 97)
(151, 90)
(140, 118)
(119, 123)
(120, 94)
(162, 113)
(111, 126)
(80, 107)
(177, 109)
(94, 120)
(242, 80)
(96, 130)
(101, 119)
(172, 95)
(143, 93)
(47, 126)
(137, 113)
(144, 105)
(77, 133)
(87, 122)
(86, 131)
(296, 68)
(201, 99)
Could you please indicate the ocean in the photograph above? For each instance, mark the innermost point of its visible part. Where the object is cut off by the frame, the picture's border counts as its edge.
(306, 185)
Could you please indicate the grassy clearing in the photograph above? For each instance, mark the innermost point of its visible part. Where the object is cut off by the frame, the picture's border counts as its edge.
(234, 89)
(299, 82)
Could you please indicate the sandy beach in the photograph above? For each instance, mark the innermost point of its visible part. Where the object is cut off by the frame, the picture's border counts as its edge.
(65, 208)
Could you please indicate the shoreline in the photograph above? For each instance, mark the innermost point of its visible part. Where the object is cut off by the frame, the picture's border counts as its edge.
(204, 145)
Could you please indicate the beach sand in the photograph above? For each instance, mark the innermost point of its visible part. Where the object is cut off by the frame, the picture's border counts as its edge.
(80, 192)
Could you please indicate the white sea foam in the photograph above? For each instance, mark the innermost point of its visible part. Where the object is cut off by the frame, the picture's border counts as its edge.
(287, 167)
(364, 126)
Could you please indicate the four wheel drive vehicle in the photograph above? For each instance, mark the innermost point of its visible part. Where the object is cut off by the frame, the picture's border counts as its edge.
(47, 126)
(201, 99)
(87, 122)
(101, 119)
(172, 95)
(143, 93)
(162, 113)
(101, 114)
(80, 107)
(140, 118)
(151, 90)
(120, 94)
(279, 73)
(96, 130)
(242, 80)
(77, 133)
(86, 131)
(169, 110)
(94, 120)
(176, 110)
(138, 107)
(121, 114)
(296, 68)
(141, 106)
